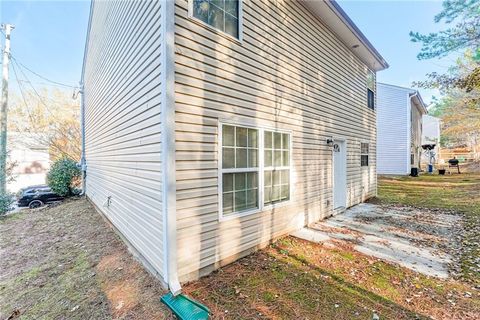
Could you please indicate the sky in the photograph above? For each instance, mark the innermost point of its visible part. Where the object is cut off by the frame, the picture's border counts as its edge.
(387, 25)
(49, 37)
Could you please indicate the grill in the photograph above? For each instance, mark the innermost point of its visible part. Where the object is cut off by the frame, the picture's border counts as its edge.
(453, 163)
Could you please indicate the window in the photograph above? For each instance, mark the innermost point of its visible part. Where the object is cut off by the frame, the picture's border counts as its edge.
(364, 154)
(246, 184)
(222, 15)
(371, 90)
(239, 169)
(276, 167)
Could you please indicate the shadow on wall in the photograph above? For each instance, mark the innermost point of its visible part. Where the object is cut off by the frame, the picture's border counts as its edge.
(272, 86)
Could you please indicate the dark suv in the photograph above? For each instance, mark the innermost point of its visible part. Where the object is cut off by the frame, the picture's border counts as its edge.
(36, 196)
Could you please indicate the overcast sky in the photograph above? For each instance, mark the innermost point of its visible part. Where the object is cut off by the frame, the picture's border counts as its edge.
(49, 36)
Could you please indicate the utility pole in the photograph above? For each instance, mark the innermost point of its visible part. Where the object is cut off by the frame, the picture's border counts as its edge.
(4, 109)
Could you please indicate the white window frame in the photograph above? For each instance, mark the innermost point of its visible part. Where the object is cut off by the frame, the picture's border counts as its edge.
(365, 154)
(217, 31)
(259, 169)
(372, 89)
(289, 167)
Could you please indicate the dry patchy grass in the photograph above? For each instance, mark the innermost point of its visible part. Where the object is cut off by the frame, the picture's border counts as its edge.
(296, 279)
(66, 263)
(63, 262)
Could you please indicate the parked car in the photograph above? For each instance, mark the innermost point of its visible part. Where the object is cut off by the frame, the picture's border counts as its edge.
(37, 196)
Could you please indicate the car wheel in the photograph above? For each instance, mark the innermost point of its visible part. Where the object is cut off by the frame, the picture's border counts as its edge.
(35, 204)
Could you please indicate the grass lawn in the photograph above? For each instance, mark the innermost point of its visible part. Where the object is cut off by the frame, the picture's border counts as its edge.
(295, 279)
(66, 263)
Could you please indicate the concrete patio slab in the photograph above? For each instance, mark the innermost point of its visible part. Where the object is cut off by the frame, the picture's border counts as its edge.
(416, 239)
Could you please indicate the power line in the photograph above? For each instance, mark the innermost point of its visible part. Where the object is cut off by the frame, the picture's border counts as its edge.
(20, 86)
(40, 98)
(40, 76)
(33, 88)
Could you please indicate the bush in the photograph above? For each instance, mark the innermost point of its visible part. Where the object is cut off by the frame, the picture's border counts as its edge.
(63, 176)
(6, 201)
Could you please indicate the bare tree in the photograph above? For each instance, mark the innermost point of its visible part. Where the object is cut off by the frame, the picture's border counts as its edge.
(53, 116)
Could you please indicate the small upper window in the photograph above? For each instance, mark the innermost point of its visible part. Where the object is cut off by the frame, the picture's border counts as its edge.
(371, 90)
(364, 152)
(220, 14)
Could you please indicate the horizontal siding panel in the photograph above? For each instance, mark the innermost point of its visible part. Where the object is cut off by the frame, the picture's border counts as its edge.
(393, 154)
(123, 129)
(289, 72)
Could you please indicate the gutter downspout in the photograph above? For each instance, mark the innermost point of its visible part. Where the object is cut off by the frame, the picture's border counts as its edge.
(83, 160)
(168, 151)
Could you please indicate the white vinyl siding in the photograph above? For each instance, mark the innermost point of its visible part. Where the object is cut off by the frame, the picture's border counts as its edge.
(290, 73)
(393, 125)
(123, 121)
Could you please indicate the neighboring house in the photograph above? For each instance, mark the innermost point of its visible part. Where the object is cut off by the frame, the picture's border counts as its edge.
(431, 135)
(31, 158)
(399, 129)
(210, 131)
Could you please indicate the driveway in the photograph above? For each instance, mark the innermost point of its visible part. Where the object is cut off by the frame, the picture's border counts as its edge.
(418, 239)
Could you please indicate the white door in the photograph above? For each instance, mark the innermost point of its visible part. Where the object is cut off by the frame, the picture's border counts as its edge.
(339, 174)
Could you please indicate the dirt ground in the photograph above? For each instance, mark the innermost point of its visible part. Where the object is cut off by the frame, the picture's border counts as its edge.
(66, 263)
(472, 167)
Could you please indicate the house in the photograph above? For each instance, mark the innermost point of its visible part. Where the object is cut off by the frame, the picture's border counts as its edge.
(399, 129)
(29, 154)
(213, 127)
(431, 136)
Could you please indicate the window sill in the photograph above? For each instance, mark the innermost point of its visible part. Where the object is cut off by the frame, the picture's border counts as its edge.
(277, 205)
(233, 216)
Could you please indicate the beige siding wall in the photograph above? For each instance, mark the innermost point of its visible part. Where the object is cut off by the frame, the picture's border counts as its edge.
(123, 121)
(289, 72)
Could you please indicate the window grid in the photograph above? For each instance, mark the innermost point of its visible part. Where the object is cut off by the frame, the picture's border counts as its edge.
(276, 167)
(370, 90)
(271, 184)
(223, 15)
(364, 153)
(239, 152)
(239, 169)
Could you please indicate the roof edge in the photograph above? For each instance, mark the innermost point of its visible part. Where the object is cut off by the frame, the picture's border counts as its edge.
(337, 9)
(418, 97)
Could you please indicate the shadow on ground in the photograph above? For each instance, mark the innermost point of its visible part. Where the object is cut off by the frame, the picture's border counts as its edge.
(66, 263)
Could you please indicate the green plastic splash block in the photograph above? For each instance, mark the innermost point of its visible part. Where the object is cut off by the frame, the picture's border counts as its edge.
(185, 308)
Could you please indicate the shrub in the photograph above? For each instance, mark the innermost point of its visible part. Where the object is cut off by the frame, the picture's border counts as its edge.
(6, 201)
(63, 176)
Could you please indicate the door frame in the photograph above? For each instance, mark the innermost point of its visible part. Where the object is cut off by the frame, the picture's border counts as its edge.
(343, 140)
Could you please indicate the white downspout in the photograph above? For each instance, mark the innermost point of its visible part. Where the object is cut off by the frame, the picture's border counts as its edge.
(168, 135)
(83, 161)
